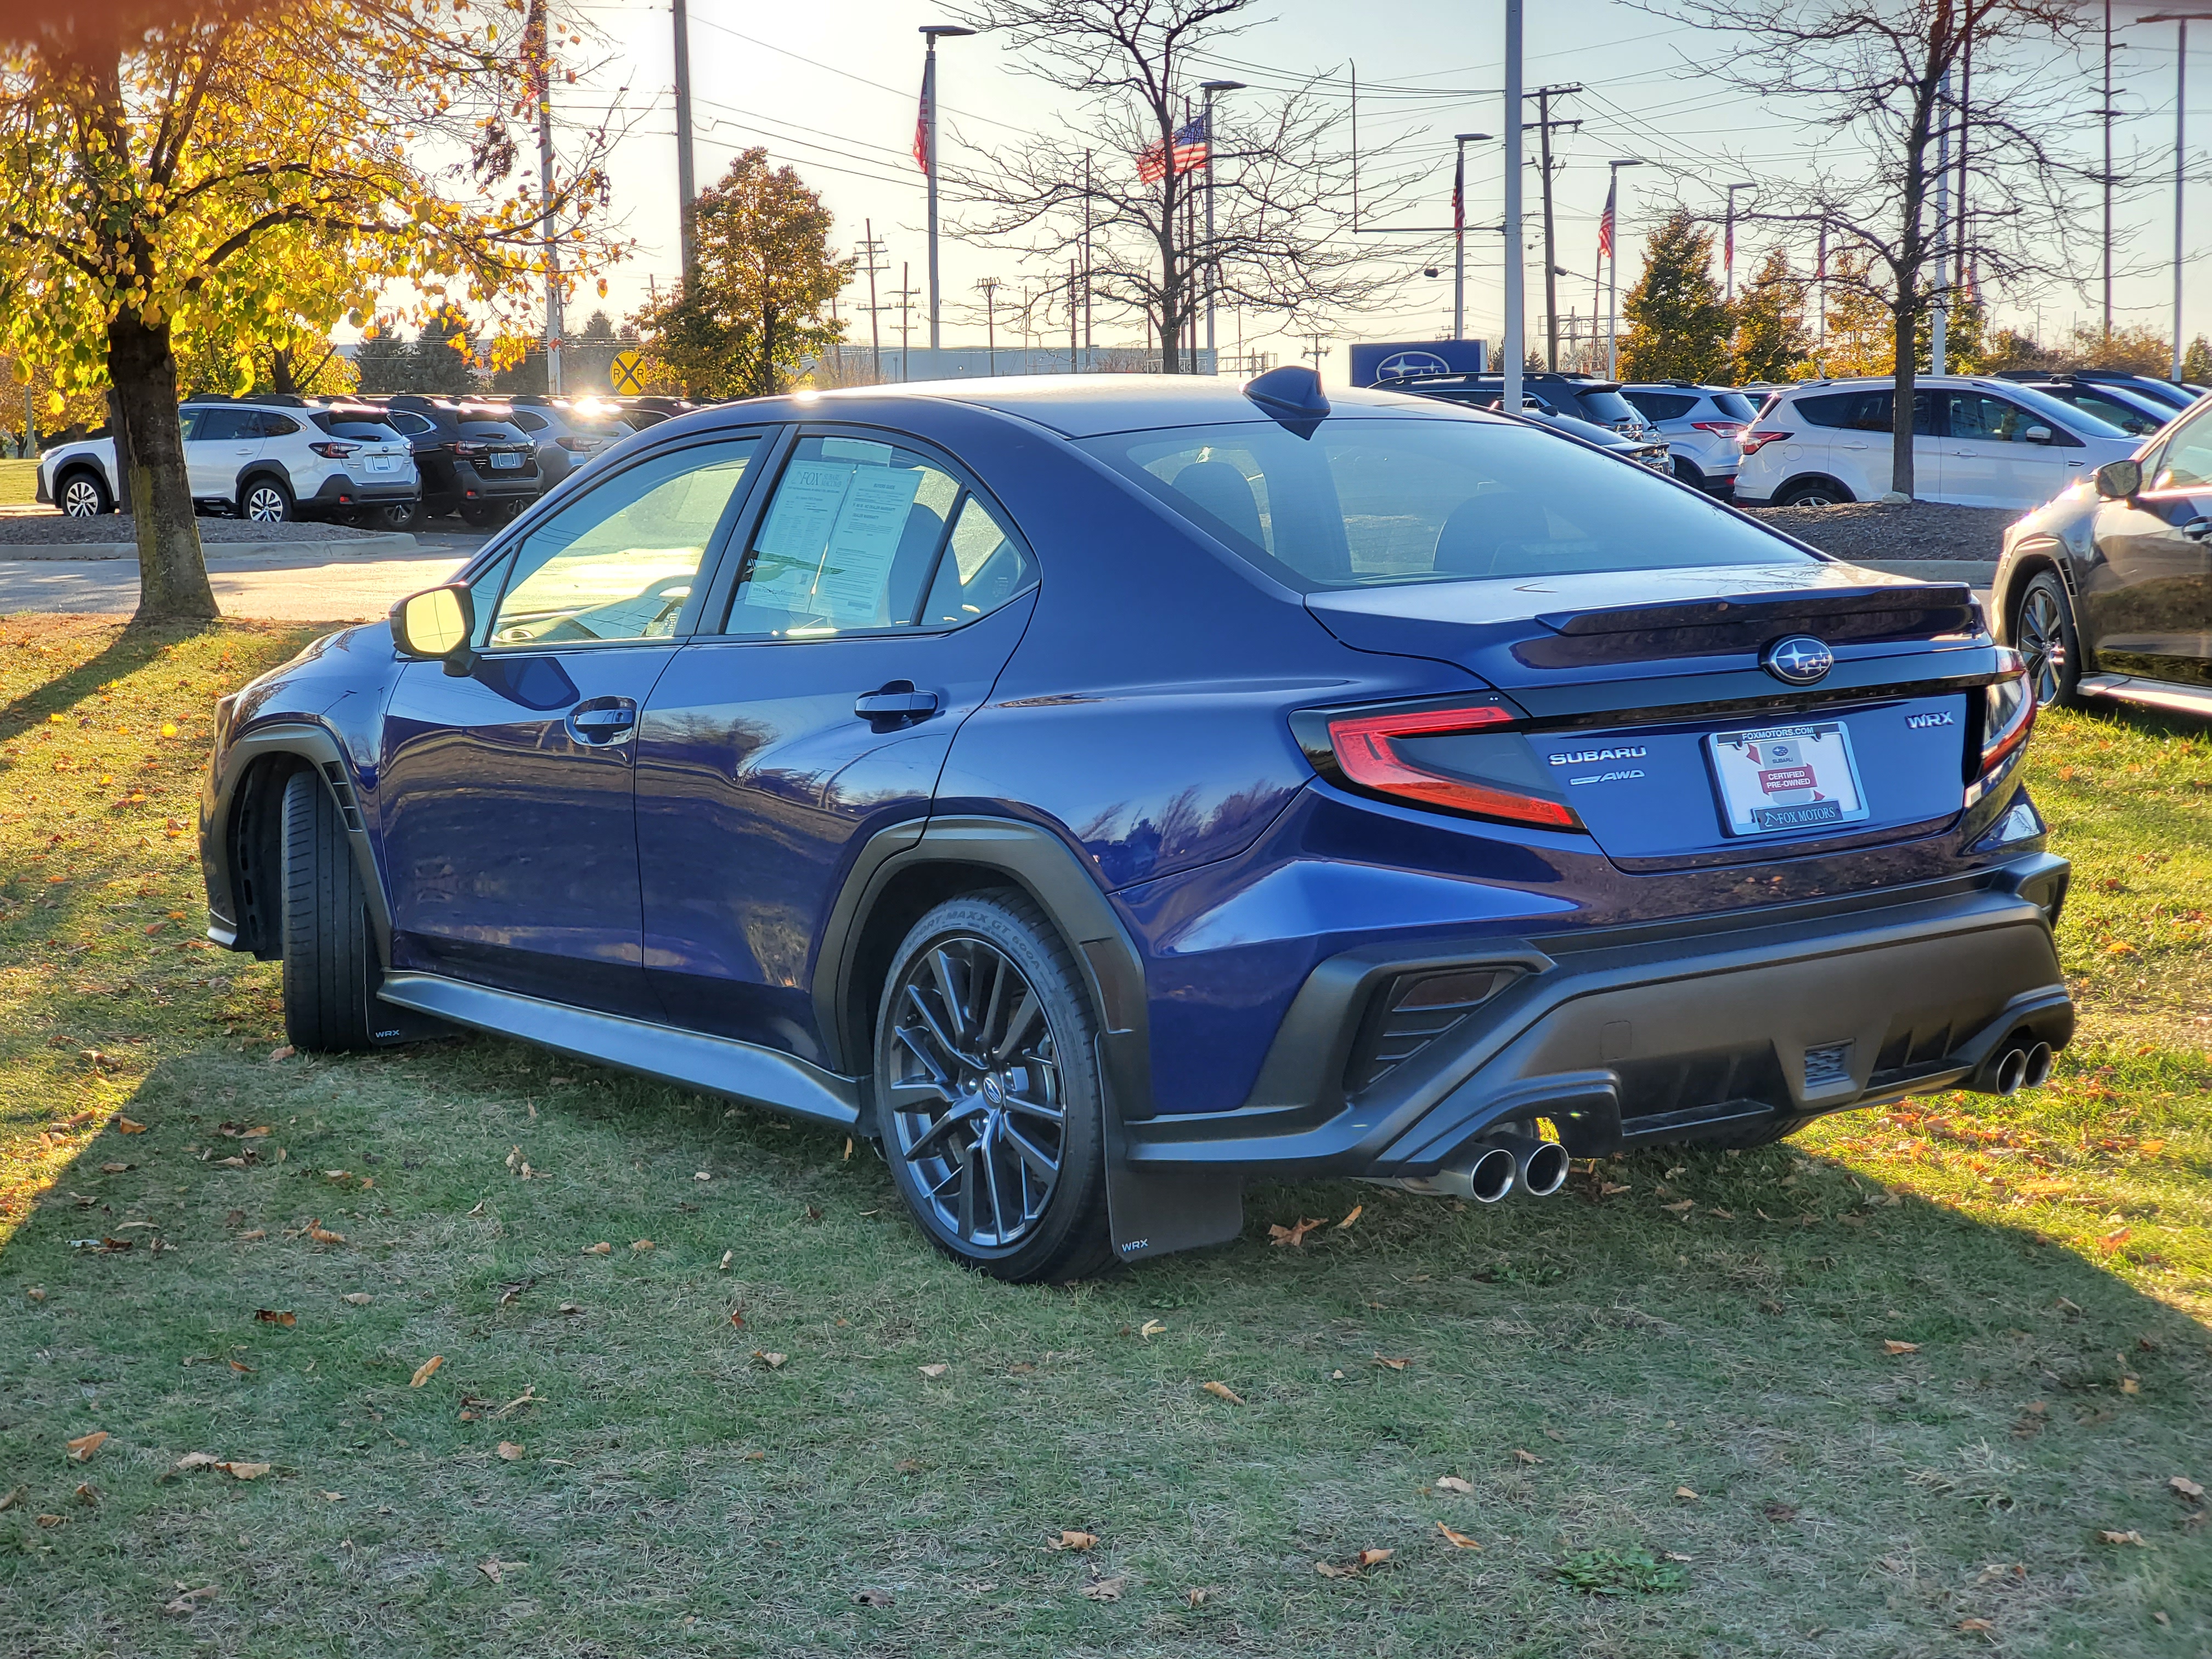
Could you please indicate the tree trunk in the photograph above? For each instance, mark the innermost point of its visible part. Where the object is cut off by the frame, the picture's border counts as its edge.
(120, 438)
(173, 578)
(1901, 425)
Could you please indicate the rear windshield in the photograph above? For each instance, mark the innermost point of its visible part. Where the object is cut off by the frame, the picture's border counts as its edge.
(1370, 503)
(1662, 405)
(1604, 407)
(1735, 406)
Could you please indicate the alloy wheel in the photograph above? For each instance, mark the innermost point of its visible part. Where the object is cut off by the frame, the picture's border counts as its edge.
(2043, 643)
(976, 1105)
(265, 504)
(81, 499)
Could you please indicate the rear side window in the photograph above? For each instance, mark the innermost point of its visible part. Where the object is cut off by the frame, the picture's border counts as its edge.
(1862, 412)
(275, 426)
(1661, 405)
(1366, 503)
(530, 423)
(1735, 406)
(864, 534)
(411, 423)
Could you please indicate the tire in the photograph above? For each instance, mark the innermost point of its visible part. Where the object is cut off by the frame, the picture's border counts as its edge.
(1688, 471)
(392, 515)
(83, 495)
(479, 515)
(984, 1021)
(264, 500)
(2042, 629)
(330, 972)
(1813, 492)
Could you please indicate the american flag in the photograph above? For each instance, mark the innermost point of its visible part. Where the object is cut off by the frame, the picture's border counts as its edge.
(1605, 220)
(1459, 193)
(1190, 146)
(922, 117)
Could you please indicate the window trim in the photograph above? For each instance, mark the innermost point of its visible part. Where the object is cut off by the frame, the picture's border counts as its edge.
(498, 558)
(739, 550)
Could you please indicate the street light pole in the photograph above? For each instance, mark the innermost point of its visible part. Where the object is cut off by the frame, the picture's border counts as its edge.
(1459, 231)
(930, 32)
(990, 287)
(686, 181)
(1515, 323)
(1213, 267)
(2180, 129)
(1613, 282)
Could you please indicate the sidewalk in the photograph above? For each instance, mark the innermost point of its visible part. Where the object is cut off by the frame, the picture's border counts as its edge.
(294, 581)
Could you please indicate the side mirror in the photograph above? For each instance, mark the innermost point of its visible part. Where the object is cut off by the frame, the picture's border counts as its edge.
(2036, 434)
(2119, 481)
(436, 626)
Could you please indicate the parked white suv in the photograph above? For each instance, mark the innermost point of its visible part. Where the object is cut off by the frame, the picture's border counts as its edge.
(1700, 424)
(1980, 443)
(265, 460)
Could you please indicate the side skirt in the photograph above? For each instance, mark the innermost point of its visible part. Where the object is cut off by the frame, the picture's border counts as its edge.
(717, 1065)
(2154, 694)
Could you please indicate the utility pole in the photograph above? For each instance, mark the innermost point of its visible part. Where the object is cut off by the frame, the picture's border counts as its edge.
(989, 285)
(1317, 350)
(2180, 133)
(1074, 311)
(1460, 142)
(1939, 318)
(1613, 252)
(874, 249)
(540, 54)
(687, 190)
(1516, 303)
(1087, 251)
(1727, 240)
(1213, 266)
(927, 140)
(906, 312)
(2107, 113)
(1544, 124)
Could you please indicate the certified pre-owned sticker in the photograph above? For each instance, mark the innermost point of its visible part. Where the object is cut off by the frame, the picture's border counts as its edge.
(1786, 777)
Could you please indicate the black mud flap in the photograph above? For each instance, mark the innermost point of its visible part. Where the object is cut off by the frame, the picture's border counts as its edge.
(390, 1025)
(1153, 1212)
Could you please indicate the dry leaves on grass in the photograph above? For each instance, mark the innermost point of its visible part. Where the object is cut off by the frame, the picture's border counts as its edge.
(2187, 1488)
(1357, 1211)
(600, 1248)
(189, 1601)
(321, 1233)
(2104, 1535)
(1222, 1391)
(1458, 1540)
(81, 1448)
(1452, 1483)
(125, 1126)
(872, 1598)
(428, 1369)
(283, 1316)
(1394, 1364)
(358, 1299)
(1355, 1566)
(1294, 1235)
(1150, 1328)
(508, 1451)
(1525, 1456)
(774, 1362)
(1074, 1540)
(1104, 1590)
(934, 1372)
(1892, 1345)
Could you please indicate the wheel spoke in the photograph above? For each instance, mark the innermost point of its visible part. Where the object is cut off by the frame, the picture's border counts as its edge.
(921, 1051)
(969, 1163)
(986, 1018)
(1031, 1154)
(930, 1093)
(1034, 1108)
(942, 969)
(929, 1019)
(925, 1142)
(989, 1165)
(1026, 1014)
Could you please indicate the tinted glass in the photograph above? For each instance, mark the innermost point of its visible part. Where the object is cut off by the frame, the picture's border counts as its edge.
(1861, 412)
(275, 426)
(188, 421)
(2112, 412)
(372, 431)
(850, 540)
(1735, 406)
(411, 423)
(1978, 417)
(1662, 405)
(2186, 462)
(529, 422)
(1378, 503)
(981, 568)
(2062, 417)
(1604, 407)
(619, 563)
(225, 425)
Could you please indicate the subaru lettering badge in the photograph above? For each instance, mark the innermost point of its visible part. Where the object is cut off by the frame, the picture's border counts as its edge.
(1800, 659)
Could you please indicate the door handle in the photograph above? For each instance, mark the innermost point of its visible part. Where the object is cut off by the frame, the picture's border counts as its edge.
(604, 722)
(896, 700)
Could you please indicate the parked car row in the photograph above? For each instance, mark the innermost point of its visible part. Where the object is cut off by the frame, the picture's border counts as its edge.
(384, 461)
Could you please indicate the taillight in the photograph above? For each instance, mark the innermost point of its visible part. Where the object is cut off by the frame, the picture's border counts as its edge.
(2008, 713)
(333, 451)
(468, 451)
(1753, 442)
(578, 446)
(1366, 748)
(1720, 429)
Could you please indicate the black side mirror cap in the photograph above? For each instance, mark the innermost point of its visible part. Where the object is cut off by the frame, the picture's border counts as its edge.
(2119, 481)
(436, 626)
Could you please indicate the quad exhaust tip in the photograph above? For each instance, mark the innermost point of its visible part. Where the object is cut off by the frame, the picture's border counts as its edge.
(2018, 1068)
(1492, 1176)
(1539, 1166)
(2038, 1066)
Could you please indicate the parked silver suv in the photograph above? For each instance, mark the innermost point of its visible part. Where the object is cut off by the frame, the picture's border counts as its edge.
(1700, 424)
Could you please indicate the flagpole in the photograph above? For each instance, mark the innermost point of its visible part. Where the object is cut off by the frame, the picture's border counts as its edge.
(1212, 269)
(930, 32)
(1612, 253)
(1514, 321)
(1459, 233)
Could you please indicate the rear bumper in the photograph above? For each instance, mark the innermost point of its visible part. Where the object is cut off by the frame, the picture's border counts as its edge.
(476, 485)
(1657, 1034)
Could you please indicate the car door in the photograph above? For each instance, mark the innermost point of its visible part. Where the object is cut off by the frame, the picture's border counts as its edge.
(2147, 593)
(881, 593)
(224, 441)
(1988, 458)
(506, 809)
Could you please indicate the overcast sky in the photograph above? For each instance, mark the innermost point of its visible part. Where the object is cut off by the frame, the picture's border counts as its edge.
(830, 88)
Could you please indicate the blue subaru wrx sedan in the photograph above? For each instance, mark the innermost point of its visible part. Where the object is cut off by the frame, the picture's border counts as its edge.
(1101, 790)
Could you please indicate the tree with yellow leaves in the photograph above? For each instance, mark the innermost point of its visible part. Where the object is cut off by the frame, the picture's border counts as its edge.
(219, 175)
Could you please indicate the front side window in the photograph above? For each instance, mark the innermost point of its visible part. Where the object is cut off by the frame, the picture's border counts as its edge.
(1377, 502)
(864, 534)
(619, 563)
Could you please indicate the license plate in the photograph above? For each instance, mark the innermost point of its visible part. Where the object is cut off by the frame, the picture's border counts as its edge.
(383, 464)
(505, 460)
(1781, 778)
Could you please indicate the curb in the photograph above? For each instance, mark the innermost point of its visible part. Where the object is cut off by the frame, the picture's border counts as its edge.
(381, 541)
(1975, 573)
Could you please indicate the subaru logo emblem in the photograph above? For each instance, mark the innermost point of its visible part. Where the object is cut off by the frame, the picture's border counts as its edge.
(1411, 362)
(1800, 659)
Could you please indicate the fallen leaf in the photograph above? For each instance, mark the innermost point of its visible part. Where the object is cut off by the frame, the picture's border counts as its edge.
(726, 1255)
(1892, 1345)
(1394, 1364)
(1197, 1597)
(1526, 1456)
(1613, 1189)
(358, 1299)
(490, 1570)
(242, 1370)
(285, 1052)
(244, 1470)
(87, 1495)
(1725, 1215)
(570, 1308)
(323, 1235)
(1677, 1209)
(1357, 1210)
(934, 1372)
(37, 1293)
(194, 1460)
(426, 1369)
(1458, 1540)
(1150, 1328)
(1684, 1492)
(774, 1362)
(1104, 1590)
(81, 1448)
(9, 1499)
(640, 1243)
(1452, 1483)
(1222, 1391)
(52, 1520)
(124, 1125)
(113, 1168)
(1074, 1540)
(189, 1601)
(2186, 1486)
(2130, 1537)
(2130, 1385)
(509, 1451)
(1973, 1624)
(1294, 1234)
(1780, 1514)
(872, 1598)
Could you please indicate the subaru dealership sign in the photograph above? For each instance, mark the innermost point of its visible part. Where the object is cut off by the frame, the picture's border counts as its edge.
(1384, 360)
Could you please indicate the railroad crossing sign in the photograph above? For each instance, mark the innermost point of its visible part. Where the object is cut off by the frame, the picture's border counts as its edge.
(626, 374)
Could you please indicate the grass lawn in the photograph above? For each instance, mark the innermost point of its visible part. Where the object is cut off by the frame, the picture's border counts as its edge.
(1917, 1382)
(19, 482)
